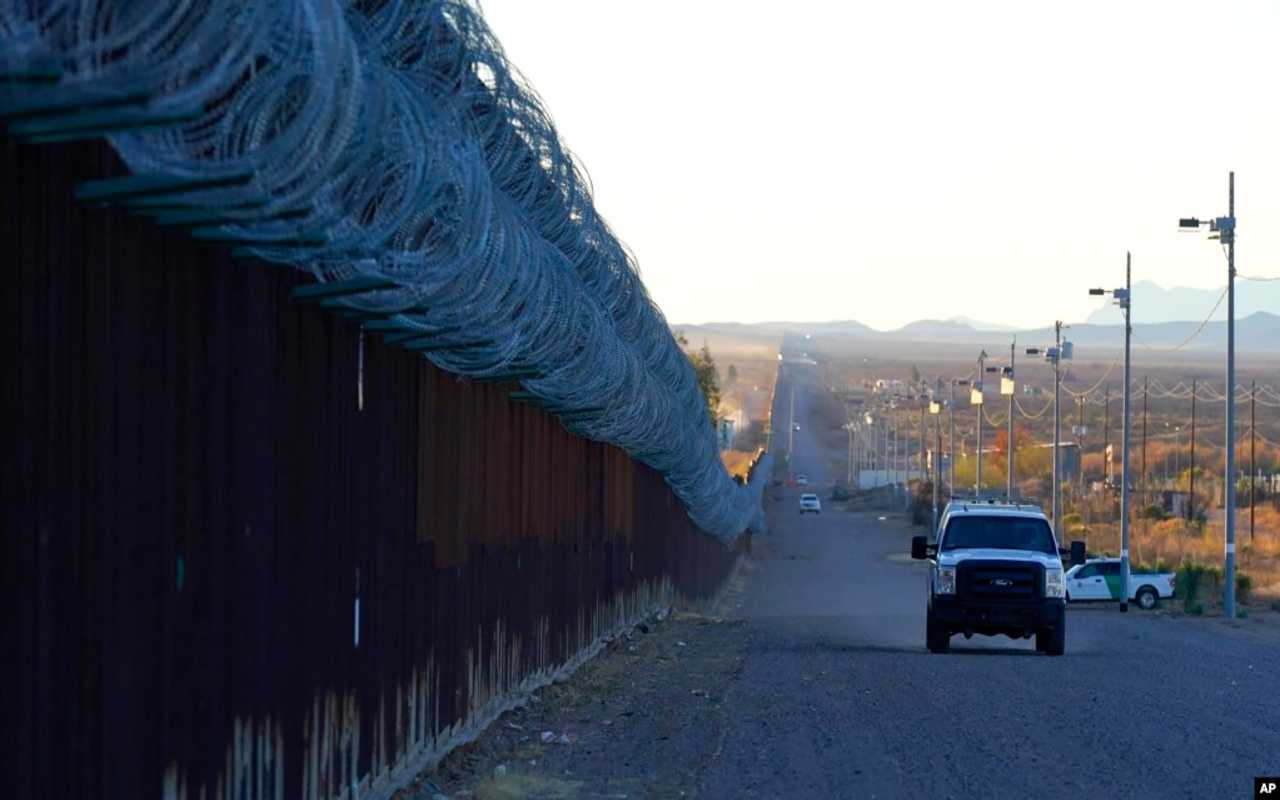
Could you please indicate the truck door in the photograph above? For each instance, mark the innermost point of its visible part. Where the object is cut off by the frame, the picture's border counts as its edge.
(1111, 578)
(1088, 584)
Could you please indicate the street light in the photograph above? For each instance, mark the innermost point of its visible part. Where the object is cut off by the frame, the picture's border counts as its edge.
(935, 408)
(1055, 355)
(1224, 230)
(1008, 387)
(951, 411)
(975, 398)
(1122, 298)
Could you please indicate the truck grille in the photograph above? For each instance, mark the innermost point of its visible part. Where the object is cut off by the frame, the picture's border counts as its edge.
(999, 581)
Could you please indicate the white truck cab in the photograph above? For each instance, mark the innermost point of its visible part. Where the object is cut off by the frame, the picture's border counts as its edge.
(995, 568)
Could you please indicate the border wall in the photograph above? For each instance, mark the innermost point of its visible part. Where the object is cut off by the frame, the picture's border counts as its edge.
(222, 577)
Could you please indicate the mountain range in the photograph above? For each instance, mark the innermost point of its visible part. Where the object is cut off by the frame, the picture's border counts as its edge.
(1154, 303)
(1257, 332)
(1163, 319)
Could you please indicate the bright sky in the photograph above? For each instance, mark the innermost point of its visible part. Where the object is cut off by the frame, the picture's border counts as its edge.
(892, 161)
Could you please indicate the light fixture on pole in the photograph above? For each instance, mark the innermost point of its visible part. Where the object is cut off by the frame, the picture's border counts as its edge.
(1122, 298)
(951, 410)
(1055, 355)
(975, 398)
(935, 408)
(1007, 387)
(1224, 230)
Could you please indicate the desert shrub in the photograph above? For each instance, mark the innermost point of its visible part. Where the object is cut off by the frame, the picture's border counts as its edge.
(922, 503)
(1191, 577)
(1244, 586)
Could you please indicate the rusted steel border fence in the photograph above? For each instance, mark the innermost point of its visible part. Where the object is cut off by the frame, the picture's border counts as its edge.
(221, 577)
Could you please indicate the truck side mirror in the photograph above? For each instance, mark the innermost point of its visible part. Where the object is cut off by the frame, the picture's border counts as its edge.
(919, 547)
(1077, 552)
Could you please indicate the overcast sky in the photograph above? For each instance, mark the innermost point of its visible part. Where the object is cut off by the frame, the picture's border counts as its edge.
(893, 161)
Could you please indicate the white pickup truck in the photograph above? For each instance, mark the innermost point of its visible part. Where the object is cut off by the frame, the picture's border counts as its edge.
(1099, 579)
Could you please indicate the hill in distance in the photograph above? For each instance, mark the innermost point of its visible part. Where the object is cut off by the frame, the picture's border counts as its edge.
(1257, 332)
(1154, 303)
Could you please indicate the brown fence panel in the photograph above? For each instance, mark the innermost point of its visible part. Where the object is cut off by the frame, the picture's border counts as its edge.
(220, 576)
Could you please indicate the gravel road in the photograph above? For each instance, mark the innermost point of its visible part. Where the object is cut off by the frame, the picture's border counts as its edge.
(819, 685)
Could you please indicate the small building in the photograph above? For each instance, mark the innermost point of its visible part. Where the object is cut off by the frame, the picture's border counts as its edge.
(1175, 504)
(1070, 459)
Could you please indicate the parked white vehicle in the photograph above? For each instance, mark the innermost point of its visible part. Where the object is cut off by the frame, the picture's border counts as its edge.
(810, 503)
(1099, 579)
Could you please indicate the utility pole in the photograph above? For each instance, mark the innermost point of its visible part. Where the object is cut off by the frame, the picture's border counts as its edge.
(884, 423)
(893, 448)
(923, 470)
(935, 409)
(951, 410)
(1124, 448)
(1057, 429)
(1122, 298)
(1191, 493)
(1145, 499)
(1010, 447)
(848, 429)
(1106, 432)
(906, 463)
(1225, 229)
(791, 428)
(1253, 451)
(1080, 443)
(977, 393)
(1227, 234)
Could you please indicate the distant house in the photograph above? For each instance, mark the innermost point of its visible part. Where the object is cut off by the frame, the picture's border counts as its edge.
(1070, 459)
(1175, 504)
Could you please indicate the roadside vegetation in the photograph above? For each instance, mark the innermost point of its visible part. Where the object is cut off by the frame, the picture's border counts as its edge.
(737, 383)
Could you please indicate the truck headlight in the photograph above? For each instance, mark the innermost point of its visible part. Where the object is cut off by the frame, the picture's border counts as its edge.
(946, 581)
(1054, 585)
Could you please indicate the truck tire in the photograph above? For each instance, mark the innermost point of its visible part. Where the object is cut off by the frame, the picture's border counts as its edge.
(1052, 640)
(936, 637)
(1148, 598)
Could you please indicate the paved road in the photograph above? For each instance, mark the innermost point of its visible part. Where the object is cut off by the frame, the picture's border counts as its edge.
(837, 696)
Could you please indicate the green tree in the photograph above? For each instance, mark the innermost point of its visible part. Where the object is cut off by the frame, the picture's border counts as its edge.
(704, 367)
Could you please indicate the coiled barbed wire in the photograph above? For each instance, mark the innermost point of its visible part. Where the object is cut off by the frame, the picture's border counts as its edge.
(393, 140)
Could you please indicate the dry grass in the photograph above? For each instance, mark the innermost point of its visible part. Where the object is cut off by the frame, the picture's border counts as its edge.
(1175, 542)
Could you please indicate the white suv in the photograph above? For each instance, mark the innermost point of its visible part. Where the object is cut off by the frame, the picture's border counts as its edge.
(810, 502)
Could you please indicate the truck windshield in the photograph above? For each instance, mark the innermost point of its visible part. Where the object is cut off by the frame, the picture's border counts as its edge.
(1003, 533)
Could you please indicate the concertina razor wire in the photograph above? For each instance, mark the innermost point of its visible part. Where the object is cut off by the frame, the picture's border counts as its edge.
(393, 142)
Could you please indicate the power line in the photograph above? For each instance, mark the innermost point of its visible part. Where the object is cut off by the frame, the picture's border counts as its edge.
(1101, 380)
(1035, 416)
(1197, 332)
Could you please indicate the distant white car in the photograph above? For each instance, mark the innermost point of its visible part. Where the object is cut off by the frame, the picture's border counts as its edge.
(1099, 579)
(810, 502)
(802, 480)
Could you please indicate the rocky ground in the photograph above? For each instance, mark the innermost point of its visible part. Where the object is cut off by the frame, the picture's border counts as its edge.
(643, 719)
